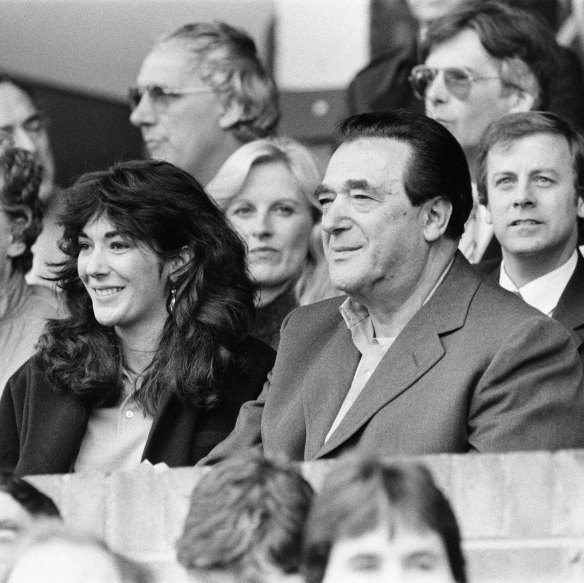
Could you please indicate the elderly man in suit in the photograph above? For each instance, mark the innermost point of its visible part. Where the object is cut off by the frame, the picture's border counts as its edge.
(531, 178)
(424, 354)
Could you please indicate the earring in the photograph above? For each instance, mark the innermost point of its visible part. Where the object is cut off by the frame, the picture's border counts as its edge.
(172, 300)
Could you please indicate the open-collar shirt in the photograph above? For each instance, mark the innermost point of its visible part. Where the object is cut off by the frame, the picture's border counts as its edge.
(371, 348)
(544, 292)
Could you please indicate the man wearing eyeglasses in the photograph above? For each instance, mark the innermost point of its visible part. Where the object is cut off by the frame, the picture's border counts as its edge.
(482, 61)
(201, 93)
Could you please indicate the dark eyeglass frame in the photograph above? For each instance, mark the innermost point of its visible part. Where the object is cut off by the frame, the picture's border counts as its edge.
(158, 93)
(458, 80)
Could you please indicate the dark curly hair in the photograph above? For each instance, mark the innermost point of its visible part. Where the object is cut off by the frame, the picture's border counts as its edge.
(20, 178)
(158, 204)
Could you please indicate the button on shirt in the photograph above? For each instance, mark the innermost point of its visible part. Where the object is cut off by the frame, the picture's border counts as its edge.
(116, 436)
(544, 292)
(372, 349)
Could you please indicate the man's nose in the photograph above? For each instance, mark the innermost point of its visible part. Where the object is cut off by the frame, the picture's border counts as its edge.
(524, 195)
(335, 216)
(22, 139)
(437, 92)
(143, 113)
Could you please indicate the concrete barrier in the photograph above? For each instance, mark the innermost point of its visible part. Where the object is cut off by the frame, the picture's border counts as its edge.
(521, 514)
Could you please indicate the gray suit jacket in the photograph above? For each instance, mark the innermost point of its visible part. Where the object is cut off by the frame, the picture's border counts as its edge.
(476, 369)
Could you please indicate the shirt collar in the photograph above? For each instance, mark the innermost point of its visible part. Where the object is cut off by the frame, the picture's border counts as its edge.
(354, 313)
(543, 292)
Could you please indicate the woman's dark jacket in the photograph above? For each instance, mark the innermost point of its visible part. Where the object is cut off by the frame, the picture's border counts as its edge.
(41, 430)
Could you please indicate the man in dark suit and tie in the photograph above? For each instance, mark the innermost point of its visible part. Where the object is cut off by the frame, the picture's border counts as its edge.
(531, 179)
(423, 354)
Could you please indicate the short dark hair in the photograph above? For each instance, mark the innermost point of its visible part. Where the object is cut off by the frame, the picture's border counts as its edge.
(358, 496)
(20, 179)
(437, 166)
(227, 60)
(512, 127)
(244, 512)
(521, 39)
(32, 500)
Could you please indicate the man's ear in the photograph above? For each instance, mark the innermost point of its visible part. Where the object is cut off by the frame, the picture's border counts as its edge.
(521, 101)
(232, 114)
(580, 207)
(488, 215)
(17, 244)
(176, 264)
(437, 212)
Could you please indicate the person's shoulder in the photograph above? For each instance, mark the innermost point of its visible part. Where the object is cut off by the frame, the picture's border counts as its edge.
(29, 371)
(488, 266)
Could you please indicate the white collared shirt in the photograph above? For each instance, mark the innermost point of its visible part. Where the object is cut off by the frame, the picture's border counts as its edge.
(372, 349)
(544, 292)
(115, 436)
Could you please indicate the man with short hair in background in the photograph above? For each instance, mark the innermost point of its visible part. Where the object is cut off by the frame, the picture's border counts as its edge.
(530, 171)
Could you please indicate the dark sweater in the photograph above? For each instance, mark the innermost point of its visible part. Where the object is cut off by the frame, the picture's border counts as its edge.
(269, 318)
(41, 430)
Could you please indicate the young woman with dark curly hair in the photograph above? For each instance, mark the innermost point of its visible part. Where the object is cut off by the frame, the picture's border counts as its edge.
(155, 359)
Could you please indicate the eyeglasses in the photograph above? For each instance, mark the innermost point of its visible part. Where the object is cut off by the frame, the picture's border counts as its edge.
(161, 96)
(458, 80)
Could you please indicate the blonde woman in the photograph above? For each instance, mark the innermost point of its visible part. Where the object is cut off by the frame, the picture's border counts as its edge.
(266, 189)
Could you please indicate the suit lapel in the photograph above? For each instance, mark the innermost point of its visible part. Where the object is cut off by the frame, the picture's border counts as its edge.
(414, 352)
(326, 387)
(570, 308)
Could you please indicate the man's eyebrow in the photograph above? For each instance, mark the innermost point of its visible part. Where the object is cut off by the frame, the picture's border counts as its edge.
(351, 184)
(361, 184)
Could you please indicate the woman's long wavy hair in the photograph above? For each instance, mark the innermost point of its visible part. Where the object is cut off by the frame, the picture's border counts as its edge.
(157, 204)
(314, 283)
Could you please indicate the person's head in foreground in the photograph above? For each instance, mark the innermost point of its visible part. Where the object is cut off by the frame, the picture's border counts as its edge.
(156, 284)
(483, 60)
(20, 213)
(395, 197)
(51, 553)
(378, 522)
(266, 189)
(24, 125)
(531, 178)
(245, 523)
(21, 504)
(200, 94)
